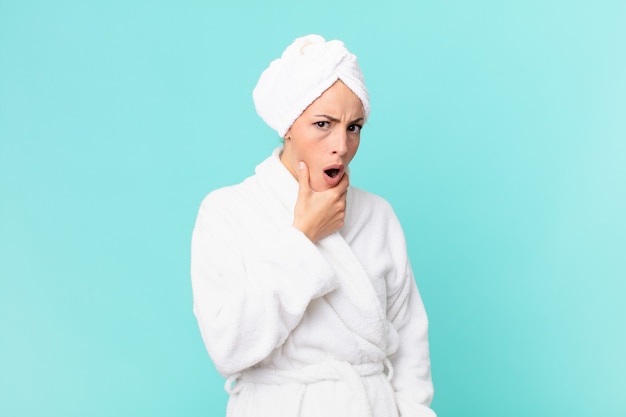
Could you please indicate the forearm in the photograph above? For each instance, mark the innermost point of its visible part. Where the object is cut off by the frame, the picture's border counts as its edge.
(246, 306)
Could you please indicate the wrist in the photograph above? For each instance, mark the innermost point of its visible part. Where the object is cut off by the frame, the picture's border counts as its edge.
(305, 231)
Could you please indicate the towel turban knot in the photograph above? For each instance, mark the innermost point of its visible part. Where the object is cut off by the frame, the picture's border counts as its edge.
(307, 68)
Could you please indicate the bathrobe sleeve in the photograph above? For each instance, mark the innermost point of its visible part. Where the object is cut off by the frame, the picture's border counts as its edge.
(247, 303)
(411, 362)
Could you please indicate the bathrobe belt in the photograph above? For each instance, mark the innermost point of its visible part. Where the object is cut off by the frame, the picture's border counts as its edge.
(331, 370)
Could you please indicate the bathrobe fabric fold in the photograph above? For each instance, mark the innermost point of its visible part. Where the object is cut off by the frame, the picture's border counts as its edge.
(299, 329)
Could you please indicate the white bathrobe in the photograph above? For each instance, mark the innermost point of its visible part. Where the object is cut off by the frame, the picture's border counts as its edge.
(299, 329)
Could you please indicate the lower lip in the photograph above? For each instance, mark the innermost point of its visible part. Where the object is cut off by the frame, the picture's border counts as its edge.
(333, 181)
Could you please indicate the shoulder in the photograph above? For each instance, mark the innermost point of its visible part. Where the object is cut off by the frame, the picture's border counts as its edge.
(364, 204)
(229, 203)
(232, 195)
(371, 212)
(373, 228)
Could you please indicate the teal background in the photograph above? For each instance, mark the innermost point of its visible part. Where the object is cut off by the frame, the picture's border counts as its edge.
(498, 133)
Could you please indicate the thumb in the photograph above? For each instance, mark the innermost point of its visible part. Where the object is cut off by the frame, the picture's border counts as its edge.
(303, 176)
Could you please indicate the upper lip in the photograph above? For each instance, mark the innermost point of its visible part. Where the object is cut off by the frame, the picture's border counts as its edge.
(335, 175)
(335, 166)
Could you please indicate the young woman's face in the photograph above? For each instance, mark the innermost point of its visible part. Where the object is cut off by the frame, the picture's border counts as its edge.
(326, 137)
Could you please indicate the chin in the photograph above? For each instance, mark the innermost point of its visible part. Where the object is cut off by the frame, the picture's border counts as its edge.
(319, 187)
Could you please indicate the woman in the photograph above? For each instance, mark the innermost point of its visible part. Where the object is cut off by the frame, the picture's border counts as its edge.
(302, 288)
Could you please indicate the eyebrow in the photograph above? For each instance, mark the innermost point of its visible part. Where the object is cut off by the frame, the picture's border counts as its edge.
(334, 119)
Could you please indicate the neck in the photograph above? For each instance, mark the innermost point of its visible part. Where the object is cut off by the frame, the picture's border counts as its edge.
(284, 158)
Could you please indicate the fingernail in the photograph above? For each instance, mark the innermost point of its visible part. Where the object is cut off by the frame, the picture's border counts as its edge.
(300, 165)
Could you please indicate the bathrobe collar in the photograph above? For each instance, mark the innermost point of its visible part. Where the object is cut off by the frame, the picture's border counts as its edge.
(363, 313)
(276, 178)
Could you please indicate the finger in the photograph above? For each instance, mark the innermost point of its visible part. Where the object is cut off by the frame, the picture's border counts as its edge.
(303, 176)
(343, 184)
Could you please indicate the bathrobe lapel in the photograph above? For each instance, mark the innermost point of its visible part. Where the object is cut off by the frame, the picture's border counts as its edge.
(355, 300)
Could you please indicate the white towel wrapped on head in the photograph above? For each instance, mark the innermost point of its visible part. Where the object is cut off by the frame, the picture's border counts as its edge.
(307, 68)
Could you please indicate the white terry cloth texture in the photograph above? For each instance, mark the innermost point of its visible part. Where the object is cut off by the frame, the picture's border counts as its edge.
(326, 371)
(307, 68)
(303, 329)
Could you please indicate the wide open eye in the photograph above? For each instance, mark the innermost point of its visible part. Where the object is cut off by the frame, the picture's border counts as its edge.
(355, 128)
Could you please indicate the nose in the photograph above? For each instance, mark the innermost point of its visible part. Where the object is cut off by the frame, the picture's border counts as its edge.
(340, 143)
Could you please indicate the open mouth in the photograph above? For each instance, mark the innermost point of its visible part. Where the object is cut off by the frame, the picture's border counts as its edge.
(332, 172)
